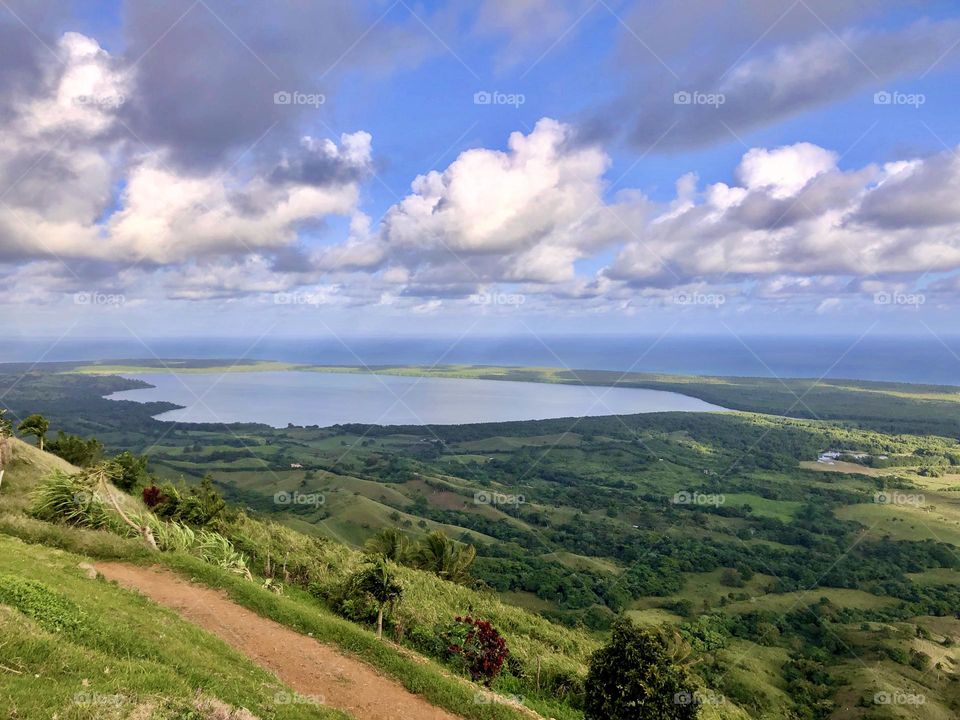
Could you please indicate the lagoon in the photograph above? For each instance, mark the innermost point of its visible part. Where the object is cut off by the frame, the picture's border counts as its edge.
(324, 399)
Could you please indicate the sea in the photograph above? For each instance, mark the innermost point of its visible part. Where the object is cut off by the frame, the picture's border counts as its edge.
(920, 359)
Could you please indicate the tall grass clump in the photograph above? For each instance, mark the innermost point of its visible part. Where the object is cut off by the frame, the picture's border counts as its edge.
(70, 499)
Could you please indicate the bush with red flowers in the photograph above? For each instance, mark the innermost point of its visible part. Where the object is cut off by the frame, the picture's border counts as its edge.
(480, 648)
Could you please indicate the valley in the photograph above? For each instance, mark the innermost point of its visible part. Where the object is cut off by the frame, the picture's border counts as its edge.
(788, 576)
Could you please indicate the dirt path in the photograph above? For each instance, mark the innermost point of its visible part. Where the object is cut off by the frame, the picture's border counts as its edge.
(309, 667)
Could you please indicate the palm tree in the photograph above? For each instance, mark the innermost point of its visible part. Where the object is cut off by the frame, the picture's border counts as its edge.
(447, 559)
(378, 581)
(390, 544)
(35, 425)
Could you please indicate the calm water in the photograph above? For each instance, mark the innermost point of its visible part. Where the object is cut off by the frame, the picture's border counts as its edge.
(309, 398)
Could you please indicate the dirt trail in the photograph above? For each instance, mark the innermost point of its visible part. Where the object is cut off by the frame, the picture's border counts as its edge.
(309, 667)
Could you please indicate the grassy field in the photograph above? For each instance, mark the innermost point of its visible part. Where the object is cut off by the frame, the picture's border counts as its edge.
(78, 647)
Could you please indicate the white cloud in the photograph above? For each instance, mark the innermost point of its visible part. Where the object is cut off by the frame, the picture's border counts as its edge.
(527, 213)
(797, 213)
(783, 172)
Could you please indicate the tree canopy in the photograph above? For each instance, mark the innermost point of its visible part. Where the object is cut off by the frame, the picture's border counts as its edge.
(640, 675)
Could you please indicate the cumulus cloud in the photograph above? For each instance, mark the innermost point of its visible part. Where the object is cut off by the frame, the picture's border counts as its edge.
(58, 158)
(64, 153)
(518, 214)
(167, 217)
(798, 213)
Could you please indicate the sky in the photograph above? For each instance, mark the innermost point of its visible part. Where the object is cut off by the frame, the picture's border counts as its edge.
(217, 168)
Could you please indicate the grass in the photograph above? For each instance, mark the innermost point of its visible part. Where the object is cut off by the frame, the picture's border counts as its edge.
(428, 601)
(764, 507)
(296, 610)
(88, 649)
(907, 522)
(185, 366)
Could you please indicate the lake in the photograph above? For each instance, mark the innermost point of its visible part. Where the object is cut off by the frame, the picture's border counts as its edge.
(313, 398)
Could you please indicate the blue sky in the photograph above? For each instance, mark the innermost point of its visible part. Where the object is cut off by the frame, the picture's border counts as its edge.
(151, 180)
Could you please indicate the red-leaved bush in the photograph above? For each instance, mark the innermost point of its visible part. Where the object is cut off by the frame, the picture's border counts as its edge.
(482, 649)
(152, 495)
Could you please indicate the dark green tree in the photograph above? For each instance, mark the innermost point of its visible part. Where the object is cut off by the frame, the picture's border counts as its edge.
(378, 582)
(36, 425)
(128, 470)
(640, 675)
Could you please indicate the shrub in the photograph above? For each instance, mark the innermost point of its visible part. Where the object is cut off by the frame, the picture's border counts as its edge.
(128, 470)
(153, 496)
(75, 450)
(481, 649)
(638, 676)
(197, 506)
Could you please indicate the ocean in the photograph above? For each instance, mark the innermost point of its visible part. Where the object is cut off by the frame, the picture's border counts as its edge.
(923, 359)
